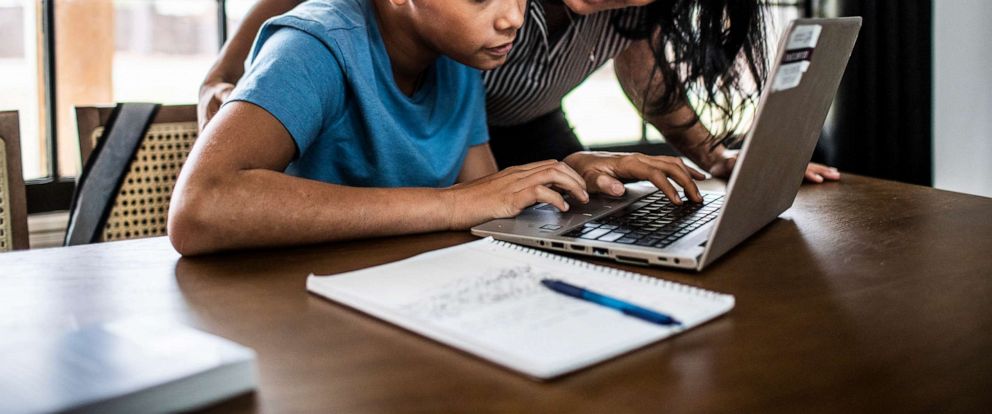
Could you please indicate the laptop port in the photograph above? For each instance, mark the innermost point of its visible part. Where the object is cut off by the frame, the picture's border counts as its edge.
(558, 245)
(633, 260)
(577, 247)
(599, 251)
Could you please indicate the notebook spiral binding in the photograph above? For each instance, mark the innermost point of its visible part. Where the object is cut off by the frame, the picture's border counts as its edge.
(609, 270)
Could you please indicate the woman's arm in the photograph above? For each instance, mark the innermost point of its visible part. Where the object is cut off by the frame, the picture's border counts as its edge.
(634, 69)
(232, 194)
(230, 65)
(641, 83)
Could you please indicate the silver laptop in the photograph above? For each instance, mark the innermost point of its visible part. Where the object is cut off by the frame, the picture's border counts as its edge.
(643, 227)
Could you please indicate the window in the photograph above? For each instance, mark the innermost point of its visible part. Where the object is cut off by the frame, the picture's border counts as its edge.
(102, 52)
(19, 78)
(601, 113)
(236, 12)
(111, 51)
(603, 116)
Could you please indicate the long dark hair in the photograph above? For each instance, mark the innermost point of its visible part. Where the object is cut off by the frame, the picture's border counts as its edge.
(707, 47)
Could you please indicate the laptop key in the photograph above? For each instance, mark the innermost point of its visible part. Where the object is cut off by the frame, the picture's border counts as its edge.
(648, 241)
(627, 240)
(573, 233)
(613, 236)
(594, 234)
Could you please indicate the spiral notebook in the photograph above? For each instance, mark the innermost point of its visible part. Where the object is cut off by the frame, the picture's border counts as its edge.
(485, 298)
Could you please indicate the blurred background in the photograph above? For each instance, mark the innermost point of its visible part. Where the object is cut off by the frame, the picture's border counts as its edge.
(915, 105)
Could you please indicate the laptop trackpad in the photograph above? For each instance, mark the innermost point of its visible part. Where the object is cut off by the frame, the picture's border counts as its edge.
(593, 208)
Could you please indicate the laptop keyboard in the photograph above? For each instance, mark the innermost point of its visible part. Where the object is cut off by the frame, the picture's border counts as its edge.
(659, 223)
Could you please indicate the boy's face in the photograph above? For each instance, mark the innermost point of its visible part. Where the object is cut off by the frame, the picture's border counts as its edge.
(477, 33)
(593, 6)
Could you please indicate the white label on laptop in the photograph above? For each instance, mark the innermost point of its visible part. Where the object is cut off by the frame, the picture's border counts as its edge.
(804, 37)
(798, 51)
(789, 75)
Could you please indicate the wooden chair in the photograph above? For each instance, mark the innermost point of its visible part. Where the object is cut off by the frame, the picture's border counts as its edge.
(141, 206)
(13, 206)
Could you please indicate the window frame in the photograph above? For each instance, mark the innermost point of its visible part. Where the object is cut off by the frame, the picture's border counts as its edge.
(55, 192)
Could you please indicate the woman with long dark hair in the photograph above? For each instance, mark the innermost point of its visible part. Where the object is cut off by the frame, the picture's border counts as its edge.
(666, 53)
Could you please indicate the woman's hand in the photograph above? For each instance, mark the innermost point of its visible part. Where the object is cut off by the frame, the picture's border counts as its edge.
(212, 96)
(506, 193)
(603, 171)
(815, 173)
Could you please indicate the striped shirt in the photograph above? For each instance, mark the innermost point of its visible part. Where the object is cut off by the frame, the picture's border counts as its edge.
(537, 75)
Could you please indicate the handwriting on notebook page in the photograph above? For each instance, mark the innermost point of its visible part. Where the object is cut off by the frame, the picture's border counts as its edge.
(507, 298)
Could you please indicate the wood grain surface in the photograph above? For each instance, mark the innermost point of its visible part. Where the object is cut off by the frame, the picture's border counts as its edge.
(866, 296)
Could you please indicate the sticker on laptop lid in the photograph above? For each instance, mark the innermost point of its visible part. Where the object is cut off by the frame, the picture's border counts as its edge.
(789, 76)
(796, 59)
(797, 55)
(804, 37)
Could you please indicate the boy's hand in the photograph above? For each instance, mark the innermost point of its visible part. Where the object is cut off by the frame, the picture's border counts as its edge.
(506, 193)
(212, 96)
(604, 170)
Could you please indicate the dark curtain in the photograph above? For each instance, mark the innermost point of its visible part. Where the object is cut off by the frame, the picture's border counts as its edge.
(881, 123)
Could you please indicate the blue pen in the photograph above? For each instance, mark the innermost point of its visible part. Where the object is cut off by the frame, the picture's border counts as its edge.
(610, 302)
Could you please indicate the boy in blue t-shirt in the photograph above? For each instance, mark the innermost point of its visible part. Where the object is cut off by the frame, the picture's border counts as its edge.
(359, 118)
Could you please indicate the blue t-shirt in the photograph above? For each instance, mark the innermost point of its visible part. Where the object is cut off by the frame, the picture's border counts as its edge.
(322, 70)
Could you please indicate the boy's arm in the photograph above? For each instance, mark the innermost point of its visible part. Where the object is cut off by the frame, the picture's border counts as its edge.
(479, 162)
(229, 67)
(233, 194)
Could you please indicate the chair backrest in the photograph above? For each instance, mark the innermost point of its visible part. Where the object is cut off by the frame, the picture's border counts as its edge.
(141, 205)
(13, 207)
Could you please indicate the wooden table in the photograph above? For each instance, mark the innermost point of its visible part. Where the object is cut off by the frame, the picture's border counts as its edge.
(866, 296)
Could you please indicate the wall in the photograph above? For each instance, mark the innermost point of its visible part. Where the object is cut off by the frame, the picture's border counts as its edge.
(963, 96)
